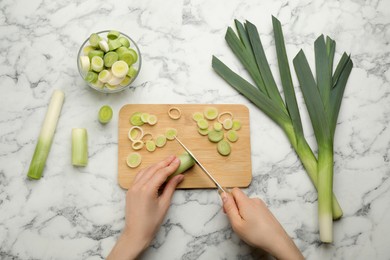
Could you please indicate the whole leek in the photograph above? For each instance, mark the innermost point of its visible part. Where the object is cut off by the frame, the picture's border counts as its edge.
(266, 96)
(46, 135)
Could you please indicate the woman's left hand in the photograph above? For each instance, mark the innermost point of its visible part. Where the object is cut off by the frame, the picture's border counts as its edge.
(145, 209)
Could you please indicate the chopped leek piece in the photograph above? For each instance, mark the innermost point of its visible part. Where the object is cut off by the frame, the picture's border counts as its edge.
(215, 136)
(236, 124)
(135, 133)
(94, 40)
(121, 50)
(203, 131)
(91, 77)
(174, 113)
(161, 140)
(170, 133)
(97, 63)
(46, 135)
(114, 44)
(220, 116)
(135, 119)
(227, 123)
(137, 145)
(152, 120)
(110, 58)
(147, 134)
(126, 57)
(218, 126)
(105, 114)
(98, 84)
(232, 135)
(104, 76)
(223, 148)
(132, 72)
(85, 63)
(134, 53)
(119, 69)
(145, 117)
(124, 41)
(79, 147)
(112, 35)
(114, 81)
(203, 124)
(133, 160)
(150, 146)
(87, 49)
(126, 81)
(197, 116)
(110, 87)
(210, 113)
(104, 46)
(94, 53)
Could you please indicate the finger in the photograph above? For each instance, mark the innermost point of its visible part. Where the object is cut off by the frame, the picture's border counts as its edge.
(145, 177)
(169, 189)
(230, 208)
(139, 174)
(162, 174)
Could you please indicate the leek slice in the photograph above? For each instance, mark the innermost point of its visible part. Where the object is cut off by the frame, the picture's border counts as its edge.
(210, 113)
(197, 116)
(152, 120)
(218, 126)
(227, 123)
(79, 147)
(46, 135)
(215, 136)
(105, 114)
(223, 148)
(202, 124)
(133, 160)
(135, 119)
(161, 140)
(170, 133)
(203, 131)
(236, 125)
(150, 145)
(232, 136)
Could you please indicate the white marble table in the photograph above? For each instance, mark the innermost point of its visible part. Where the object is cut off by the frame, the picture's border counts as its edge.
(77, 213)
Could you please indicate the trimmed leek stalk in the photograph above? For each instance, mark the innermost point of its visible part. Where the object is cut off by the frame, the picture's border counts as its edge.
(79, 147)
(186, 162)
(328, 92)
(46, 135)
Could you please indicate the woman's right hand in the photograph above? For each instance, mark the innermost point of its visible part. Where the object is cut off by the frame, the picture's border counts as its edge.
(257, 226)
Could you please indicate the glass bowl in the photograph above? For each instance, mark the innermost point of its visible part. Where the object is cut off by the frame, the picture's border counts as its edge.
(106, 87)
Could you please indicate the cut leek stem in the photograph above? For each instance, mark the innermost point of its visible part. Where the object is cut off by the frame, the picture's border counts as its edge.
(46, 135)
(79, 147)
(186, 162)
(105, 114)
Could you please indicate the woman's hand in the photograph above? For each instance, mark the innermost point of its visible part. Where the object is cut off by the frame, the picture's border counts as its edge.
(145, 209)
(255, 224)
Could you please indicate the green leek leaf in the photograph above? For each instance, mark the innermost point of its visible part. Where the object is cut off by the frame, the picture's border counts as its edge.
(263, 66)
(285, 75)
(250, 92)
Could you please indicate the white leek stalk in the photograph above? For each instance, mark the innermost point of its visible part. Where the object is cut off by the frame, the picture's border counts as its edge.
(79, 147)
(46, 135)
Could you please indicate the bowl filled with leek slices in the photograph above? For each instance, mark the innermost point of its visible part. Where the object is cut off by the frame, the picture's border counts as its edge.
(109, 61)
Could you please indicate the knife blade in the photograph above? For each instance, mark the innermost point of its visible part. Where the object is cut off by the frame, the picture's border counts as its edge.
(201, 166)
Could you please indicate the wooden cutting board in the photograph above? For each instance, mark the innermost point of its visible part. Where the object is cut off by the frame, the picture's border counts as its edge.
(234, 170)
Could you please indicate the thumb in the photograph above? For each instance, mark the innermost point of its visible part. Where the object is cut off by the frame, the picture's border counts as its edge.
(230, 208)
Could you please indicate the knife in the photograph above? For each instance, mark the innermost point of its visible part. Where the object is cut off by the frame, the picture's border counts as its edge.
(202, 167)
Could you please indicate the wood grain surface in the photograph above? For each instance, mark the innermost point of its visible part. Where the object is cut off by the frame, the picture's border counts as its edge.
(234, 170)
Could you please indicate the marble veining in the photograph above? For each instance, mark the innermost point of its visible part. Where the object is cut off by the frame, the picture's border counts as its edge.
(77, 213)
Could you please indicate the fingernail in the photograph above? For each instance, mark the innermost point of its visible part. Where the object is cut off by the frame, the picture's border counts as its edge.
(177, 160)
